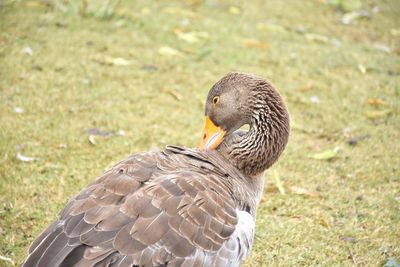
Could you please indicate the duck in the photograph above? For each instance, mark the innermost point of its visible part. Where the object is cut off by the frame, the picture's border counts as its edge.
(178, 206)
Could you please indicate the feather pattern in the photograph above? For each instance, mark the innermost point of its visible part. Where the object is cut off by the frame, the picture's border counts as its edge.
(145, 211)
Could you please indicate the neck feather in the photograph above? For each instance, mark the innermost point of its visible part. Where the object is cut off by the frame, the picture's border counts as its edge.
(256, 150)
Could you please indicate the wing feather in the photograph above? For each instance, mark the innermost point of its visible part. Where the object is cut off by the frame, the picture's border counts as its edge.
(150, 210)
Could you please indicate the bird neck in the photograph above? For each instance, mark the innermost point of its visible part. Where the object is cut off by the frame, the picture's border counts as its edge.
(256, 150)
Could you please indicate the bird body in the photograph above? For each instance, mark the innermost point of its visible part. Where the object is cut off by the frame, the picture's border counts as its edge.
(179, 206)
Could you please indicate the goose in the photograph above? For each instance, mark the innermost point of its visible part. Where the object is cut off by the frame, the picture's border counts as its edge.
(179, 206)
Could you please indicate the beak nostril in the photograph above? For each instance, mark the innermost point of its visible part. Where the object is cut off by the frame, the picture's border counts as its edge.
(204, 136)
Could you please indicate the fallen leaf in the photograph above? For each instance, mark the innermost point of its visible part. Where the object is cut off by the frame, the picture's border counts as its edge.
(121, 133)
(63, 146)
(169, 51)
(326, 154)
(27, 51)
(174, 93)
(349, 17)
(116, 61)
(18, 110)
(296, 218)
(234, 10)
(279, 183)
(191, 37)
(307, 87)
(378, 114)
(254, 43)
(92, 140)
(316, 38)
(382, 48)
(25, 158)
(376, 102)
(270, 27)
(362, 68)
(302, 191)
(145, 11)
(324, 223)
(314, 99)
(395, 32)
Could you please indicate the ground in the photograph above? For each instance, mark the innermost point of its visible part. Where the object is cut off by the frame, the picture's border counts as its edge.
(84, 84)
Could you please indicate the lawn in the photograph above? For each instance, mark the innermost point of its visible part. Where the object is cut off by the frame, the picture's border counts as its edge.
(84, 84)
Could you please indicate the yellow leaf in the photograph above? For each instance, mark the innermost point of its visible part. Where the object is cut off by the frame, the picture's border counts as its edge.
(326, 154)
(279, 183)
(145, 11)
(116, 61)
(378, 114)
(234, 10)
(395, 32)
(253, 43)
(302, 191)
(362, 68)
(169, 51)
(270, 27)
(191, 37)
(174, 93)
(376, 102)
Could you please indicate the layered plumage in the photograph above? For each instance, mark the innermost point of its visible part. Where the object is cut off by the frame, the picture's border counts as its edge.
(180, 206)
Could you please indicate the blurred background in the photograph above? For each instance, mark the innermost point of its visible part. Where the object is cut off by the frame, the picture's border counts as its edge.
(84, 84)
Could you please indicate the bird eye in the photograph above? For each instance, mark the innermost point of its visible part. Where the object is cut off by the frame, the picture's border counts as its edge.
(215, 100)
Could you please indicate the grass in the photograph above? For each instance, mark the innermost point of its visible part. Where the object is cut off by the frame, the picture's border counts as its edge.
(109, 65)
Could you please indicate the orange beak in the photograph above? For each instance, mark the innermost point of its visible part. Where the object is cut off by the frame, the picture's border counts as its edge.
(212, 136)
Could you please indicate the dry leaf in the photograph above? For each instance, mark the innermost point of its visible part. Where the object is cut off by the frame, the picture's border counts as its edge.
(296, 218)
(145, 11)
(18, 110)
(254, 43)
(270, 27)
(314, 99)
(324, 222)
(92, 140)
(378, 114)
(362, 68)
(354, 15)
(383, 48)
(25, 158)
(279, 183)
(317, 38)
(27, 51)
(121, 133)
(376, 102)
(169, 51)
(234, 10)
(326, 154)
(395, 32)
(191, 37)
(62, 146)
(116, 61)
(302, 191)
(174, 93)
(307, 87)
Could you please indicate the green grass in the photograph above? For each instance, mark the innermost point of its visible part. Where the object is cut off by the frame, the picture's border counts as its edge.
(350, 212)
